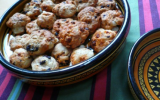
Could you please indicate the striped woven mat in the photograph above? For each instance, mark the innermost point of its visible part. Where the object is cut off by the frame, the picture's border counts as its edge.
(110, 84)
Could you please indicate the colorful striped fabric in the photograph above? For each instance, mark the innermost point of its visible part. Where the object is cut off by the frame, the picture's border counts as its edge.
(110, 84)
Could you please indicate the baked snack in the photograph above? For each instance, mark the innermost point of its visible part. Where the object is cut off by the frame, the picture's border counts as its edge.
(101, 38)
(40, 42)
(17, 23)
(47, 5)
(37, 1)
(91, 16)
(73, 34)
(21, 58)
(59, 23)
(111, 19)
(64, 10)
(32, 26)
(19, 41)
(44, 63)
(61, 54)
(32, 9)
(46, 20)
(81, 4)
(105, 5)
(81, 54)
(70, 31)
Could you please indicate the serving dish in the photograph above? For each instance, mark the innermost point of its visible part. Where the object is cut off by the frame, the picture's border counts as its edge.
(144, 67)
(68, 75)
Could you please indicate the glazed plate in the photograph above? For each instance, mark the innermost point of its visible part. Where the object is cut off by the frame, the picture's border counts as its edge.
(144, 66)
(68, 75)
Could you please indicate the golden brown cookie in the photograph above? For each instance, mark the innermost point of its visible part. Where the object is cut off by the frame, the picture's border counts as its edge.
(59, 23)
(19, 41)
(17, 23)
(111, 19)
(47, 5)
(21, 58)
(74, 34)
(81, 4)
(32, 10)
(46, 20)
(81, 54)
(61, 54)
(85, 3)
(101, 38)
(32, 26)
(91, 16)
(40, 42)
(105, 5)
(64, 10)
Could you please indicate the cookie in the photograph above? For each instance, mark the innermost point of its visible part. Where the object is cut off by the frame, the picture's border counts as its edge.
(91, 16)
(81, 54)
(44, 63)
(21, 58)
(18, 22)
(101, 38)
(61, 54)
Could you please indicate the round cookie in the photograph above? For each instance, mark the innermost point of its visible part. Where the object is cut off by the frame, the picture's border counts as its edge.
(111, 19)
(81, 4)
(73, 34)
(19, 41)
(44, 63)
(105, 5)
(17, 23)
(46, 20)
(32, 9)
(81, 54)
(64, 10)
(59, 23)
(40, 42)
(21, 58)
(47, 5)
(101, 38)
(32, 26)
(91, 16)
(61, 54)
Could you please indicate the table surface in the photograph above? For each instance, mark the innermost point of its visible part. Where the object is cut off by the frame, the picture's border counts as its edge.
(110, 84)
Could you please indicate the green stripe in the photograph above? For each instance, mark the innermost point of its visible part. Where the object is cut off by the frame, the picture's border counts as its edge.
(13, 90)
(16, 90)
(78, 91)
(119, 82)
(20, 89)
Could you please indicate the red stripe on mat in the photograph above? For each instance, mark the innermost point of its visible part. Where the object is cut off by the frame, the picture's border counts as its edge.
(47, 94)
(30, 93)
(147, 16)
(5, 83)
(100, 85)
